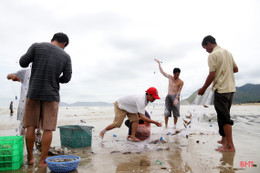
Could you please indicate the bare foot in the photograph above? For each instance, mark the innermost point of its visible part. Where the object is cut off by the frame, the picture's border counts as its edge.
(133, 139)
(30, 160)
(221, 142)
(225, 149)
(44, 164)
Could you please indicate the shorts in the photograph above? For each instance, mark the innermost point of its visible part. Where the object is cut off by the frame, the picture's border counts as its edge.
(170, 107)
(44, 112)
(129, 125)
(222, 104)
(120, 115)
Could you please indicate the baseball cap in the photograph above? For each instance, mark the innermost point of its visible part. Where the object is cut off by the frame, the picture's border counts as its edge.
(153, 91)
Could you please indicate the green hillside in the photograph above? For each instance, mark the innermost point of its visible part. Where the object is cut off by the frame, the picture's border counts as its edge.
(249, 93)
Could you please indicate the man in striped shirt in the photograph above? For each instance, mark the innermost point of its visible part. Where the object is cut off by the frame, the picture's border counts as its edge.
(51, 65)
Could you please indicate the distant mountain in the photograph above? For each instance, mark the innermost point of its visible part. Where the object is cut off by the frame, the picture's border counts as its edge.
(249, 93)
(86, 104)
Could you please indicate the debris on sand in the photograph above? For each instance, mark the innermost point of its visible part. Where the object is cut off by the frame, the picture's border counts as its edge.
(112, 152)
(161, 149)
(158, 141)
(58, 151)
(127, 152)
(82, 121)
(158, 162)
(176, 132)
(145, 162)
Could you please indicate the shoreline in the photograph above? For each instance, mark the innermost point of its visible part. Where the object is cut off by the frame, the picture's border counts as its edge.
(248, 104)
(191, 150)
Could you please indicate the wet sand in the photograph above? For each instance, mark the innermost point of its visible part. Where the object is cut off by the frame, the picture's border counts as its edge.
(183, 152)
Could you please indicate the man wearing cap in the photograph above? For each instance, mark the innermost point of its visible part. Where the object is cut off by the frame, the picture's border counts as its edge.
(131, 106)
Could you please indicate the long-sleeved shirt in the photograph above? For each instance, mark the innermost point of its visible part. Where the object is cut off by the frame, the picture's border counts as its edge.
(51, 65)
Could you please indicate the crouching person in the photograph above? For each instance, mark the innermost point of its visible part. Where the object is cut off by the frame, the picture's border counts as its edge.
(131, 106)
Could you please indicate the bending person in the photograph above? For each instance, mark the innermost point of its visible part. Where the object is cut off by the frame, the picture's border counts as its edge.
(130, 106)
(143, 130)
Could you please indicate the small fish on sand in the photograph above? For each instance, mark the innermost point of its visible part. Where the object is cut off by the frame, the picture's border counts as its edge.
(82, 121)
(186, 123)
(205, 106)
(189, 116)
(58, 151)
(176, 132)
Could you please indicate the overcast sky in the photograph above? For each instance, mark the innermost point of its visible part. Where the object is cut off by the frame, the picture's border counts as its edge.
(113, 43)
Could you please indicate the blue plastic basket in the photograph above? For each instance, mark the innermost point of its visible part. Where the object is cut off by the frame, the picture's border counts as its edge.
(62, 166)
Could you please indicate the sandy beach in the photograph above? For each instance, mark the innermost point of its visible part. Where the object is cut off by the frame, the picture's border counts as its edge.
(191, 150)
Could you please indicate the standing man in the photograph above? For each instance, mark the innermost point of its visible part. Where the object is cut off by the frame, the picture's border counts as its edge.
(172, 100)
(51, 65)
(221, 72)
(11, 107)
(131, 106)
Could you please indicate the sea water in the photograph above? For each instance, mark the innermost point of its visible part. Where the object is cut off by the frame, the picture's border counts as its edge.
(203, 121)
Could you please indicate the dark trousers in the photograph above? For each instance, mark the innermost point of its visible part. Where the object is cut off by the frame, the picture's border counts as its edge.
(222, 104)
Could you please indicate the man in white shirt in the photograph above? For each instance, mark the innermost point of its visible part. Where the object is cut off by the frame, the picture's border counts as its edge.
(131, 106)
